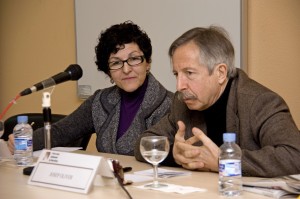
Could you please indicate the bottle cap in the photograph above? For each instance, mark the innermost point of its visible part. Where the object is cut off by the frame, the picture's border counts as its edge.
(22, 119)
(229, 137)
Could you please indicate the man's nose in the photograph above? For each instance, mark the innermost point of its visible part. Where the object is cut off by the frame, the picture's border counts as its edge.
(180, 83)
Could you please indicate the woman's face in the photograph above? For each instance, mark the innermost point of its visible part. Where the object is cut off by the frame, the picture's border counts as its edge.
(129, 78)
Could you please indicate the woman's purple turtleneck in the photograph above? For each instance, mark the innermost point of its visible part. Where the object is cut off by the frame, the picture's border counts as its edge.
(130, 104)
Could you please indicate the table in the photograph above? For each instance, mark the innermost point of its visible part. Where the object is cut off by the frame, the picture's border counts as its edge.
(13, 185)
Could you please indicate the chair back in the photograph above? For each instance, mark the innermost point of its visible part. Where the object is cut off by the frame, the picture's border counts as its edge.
(37, 121)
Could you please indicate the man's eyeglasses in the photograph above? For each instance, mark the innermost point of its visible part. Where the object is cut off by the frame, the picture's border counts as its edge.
(131, 61)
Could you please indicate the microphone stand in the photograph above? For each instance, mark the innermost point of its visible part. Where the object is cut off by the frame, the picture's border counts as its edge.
(47, 119)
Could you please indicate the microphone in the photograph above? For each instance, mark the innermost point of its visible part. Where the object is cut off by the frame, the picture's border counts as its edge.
(73, 72)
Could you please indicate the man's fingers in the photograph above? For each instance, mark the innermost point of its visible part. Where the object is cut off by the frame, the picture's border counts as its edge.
(189, 151)
(184, 146)
(186, 158)
(194, 166)
(192, 140)
(201, 136)
(180, 132)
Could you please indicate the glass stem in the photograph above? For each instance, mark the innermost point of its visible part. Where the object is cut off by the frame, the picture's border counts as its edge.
(155, 176)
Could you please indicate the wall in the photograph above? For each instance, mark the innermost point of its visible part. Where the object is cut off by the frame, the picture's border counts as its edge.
(37, 40)
(274, 48)
(227, 14)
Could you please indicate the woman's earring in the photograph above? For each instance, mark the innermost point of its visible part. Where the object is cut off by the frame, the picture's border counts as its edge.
(112, 81)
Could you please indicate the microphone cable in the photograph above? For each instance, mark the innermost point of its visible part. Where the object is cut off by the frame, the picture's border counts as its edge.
(14, 101)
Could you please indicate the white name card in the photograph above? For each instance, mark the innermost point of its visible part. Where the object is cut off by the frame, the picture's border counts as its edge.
(65, 171)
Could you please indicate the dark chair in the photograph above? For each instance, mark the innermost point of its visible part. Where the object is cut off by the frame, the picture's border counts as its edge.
(38, 120)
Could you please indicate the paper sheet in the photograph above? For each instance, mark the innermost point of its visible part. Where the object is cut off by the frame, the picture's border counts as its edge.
(172, 188)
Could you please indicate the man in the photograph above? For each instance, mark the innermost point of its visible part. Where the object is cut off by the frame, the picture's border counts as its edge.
(214, 97)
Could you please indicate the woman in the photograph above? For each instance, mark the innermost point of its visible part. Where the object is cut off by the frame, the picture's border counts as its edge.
(117, 114)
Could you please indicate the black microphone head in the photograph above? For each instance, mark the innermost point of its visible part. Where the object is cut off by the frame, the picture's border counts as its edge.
(27, 91)
(75, 71)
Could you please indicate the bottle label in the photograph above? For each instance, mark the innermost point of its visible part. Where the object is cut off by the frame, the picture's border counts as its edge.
(230, 167)
(23, 144)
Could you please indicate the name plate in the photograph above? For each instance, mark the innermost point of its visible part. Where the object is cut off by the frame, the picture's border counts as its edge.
(65, 171)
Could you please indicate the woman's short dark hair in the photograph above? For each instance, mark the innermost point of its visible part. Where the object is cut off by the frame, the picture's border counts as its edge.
(114, 38)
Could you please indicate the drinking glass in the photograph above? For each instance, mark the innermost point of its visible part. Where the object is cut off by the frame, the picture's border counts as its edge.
(154, 149)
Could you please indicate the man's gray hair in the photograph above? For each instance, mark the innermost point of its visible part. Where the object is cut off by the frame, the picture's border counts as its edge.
(214, 46)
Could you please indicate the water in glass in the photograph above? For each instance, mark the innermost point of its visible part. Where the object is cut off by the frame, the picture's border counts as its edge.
(154, 149)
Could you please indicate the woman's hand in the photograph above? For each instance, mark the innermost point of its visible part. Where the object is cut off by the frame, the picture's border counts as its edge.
(11, 143)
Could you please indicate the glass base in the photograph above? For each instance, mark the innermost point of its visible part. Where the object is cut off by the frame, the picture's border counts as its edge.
(156, 185)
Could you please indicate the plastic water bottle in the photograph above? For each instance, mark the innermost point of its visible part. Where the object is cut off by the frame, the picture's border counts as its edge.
(230, 169)
(23, 142)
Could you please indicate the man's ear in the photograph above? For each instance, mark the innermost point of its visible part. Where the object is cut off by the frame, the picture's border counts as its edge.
(221, 71)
